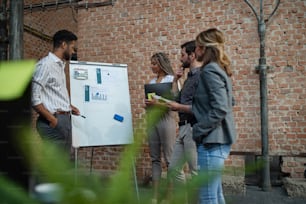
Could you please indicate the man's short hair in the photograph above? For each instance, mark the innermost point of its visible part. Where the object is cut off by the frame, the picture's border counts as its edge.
(189, 46)
(63, 36)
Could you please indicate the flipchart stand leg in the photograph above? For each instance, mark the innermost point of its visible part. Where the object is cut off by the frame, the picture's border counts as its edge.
(135, 179)
(133, 164)
(75, 164)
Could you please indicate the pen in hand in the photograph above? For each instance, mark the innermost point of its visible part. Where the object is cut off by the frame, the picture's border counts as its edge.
(82, 116)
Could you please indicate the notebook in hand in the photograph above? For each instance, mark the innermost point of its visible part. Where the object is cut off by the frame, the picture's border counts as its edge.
(160, 89)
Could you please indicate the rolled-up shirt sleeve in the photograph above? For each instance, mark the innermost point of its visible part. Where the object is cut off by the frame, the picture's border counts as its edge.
(38, 80)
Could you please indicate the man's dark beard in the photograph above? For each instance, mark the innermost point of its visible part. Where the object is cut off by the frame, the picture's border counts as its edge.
(186, 64)
(67, 55)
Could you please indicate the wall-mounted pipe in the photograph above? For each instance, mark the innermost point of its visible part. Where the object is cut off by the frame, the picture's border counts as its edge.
(262, 68)
(16, 30)
(3, 31)
(64, 4)
(37, 33)
(47, 5)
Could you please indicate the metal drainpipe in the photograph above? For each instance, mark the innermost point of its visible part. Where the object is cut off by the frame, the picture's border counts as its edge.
(16, 30)
(3, 31)
(262, 68)
(266, 183)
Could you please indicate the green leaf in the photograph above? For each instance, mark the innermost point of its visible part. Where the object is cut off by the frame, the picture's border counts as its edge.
(14, 78)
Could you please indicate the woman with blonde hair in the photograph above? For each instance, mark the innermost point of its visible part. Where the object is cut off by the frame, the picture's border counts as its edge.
(212, 106)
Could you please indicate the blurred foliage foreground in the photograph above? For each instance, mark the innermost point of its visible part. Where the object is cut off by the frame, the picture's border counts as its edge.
(66, 184)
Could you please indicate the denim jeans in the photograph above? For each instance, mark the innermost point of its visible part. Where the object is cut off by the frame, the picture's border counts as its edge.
(211, 162)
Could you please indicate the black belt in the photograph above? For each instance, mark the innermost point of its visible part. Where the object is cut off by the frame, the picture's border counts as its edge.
(211, 145)
(184, 122)
(41, 118)
(62, 113)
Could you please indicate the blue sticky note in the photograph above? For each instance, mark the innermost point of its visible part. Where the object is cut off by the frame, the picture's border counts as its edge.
(118, 117)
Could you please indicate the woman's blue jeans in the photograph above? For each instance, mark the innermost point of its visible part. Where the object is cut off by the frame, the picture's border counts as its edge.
(211, 162)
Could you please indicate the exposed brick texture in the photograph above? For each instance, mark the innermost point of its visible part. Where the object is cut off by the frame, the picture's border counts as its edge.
(132, 30)
(45, 22)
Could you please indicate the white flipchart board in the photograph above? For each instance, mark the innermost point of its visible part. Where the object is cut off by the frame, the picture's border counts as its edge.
(101, 92)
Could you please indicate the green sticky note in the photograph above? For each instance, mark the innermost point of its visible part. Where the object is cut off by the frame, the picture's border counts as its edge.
(14, 78)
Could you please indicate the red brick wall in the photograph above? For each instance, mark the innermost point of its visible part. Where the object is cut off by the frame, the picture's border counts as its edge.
(131, 31)
(45, 22)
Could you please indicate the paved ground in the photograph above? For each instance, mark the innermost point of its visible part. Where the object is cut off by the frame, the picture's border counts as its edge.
(254, 195)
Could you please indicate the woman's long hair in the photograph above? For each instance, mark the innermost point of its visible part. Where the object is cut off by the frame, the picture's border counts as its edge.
(164, 62)
(212, 41)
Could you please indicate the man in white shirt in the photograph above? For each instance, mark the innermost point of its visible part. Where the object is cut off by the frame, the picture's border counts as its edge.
(50, 98)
